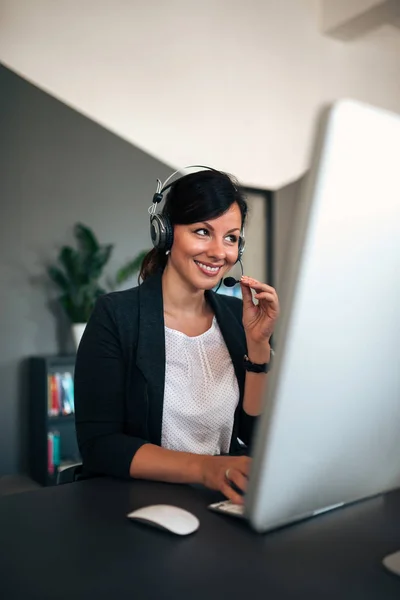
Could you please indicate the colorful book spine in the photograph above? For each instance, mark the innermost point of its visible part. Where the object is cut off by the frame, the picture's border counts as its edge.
(54, 401)
(50, 463)
(67, 393)
(53, 451)
(49, 395)
(56, 449)
(60, 398)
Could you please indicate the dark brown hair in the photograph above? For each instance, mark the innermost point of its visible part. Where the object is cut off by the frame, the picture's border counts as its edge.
(194, 198)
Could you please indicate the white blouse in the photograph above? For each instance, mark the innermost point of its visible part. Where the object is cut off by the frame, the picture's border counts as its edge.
(201, 392)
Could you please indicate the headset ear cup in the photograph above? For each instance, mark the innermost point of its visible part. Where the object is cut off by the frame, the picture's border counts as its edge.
(155, 230)
(169, 234)
(161, 232)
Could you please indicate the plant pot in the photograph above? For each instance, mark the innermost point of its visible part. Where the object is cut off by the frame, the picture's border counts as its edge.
(77, 332)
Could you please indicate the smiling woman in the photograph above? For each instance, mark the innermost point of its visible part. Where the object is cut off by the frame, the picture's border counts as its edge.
(169, 375)
(195, 205)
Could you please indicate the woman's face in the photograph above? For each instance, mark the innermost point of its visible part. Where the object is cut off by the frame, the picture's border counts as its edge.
(203, 252)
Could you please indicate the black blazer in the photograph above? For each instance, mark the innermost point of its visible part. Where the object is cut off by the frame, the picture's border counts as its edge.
(120, 373)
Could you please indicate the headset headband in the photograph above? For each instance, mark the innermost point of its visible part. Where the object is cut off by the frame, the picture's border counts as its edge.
(161, 187)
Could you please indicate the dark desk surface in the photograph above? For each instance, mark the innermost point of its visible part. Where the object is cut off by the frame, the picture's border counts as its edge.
(75, 542)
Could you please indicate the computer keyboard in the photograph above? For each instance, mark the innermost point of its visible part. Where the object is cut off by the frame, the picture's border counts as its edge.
(228, 507)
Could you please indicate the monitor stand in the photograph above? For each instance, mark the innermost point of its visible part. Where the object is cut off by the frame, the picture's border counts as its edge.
(392, 563)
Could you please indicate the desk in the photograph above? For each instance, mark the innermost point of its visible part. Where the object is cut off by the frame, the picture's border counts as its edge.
(74, 542)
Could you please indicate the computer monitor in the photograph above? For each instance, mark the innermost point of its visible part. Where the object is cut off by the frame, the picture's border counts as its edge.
(330, 429)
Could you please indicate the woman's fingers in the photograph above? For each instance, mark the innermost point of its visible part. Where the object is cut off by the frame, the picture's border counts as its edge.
(230, 493)
(247, 297)
(263, 292)
(272, 300)
(221, 472)
(266, 296)
(237, 478)
(257, 285)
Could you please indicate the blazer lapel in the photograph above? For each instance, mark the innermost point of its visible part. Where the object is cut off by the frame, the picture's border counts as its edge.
(150, 356)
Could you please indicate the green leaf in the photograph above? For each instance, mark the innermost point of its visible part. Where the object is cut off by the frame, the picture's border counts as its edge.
(72, 310)
(58, 277)
(130, 268)
(103, 255)
(87, 240)
(70, 260)
(95, 263)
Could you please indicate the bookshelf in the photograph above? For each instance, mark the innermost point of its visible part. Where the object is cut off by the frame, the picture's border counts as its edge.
(52, 439)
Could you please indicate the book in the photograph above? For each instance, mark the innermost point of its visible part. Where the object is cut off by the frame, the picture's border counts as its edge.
(67, 393)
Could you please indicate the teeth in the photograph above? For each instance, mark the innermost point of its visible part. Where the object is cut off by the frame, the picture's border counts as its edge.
(207, 268)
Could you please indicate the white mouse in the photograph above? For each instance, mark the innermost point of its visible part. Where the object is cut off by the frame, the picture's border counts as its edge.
(171, 518)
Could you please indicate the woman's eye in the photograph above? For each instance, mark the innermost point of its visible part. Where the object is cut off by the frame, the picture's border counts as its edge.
(202, 231)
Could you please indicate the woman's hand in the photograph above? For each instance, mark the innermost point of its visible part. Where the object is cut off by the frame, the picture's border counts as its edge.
(218, 471)
(258, 319)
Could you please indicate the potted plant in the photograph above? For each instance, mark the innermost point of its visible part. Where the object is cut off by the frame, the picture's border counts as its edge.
(78, 273)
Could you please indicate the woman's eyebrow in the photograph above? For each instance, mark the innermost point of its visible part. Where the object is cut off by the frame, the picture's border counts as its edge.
(212, 228)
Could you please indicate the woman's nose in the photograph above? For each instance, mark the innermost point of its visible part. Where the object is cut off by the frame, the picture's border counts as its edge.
(217, 249)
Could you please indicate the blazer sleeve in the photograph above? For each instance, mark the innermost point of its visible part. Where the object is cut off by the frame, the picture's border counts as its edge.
(100, 395)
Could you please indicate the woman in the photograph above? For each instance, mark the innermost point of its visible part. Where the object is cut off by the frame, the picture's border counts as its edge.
(162, 386)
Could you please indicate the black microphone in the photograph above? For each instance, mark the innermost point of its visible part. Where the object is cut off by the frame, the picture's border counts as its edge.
(230, 281)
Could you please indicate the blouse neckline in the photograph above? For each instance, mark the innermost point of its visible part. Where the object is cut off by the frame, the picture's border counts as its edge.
(192, 337)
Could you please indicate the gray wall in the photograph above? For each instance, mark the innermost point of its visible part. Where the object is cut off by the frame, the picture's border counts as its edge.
(57, 168)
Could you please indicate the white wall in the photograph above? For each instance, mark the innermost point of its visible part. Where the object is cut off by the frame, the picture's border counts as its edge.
(232, 83)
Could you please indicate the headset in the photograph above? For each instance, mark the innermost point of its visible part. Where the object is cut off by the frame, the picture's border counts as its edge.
(161, 229)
